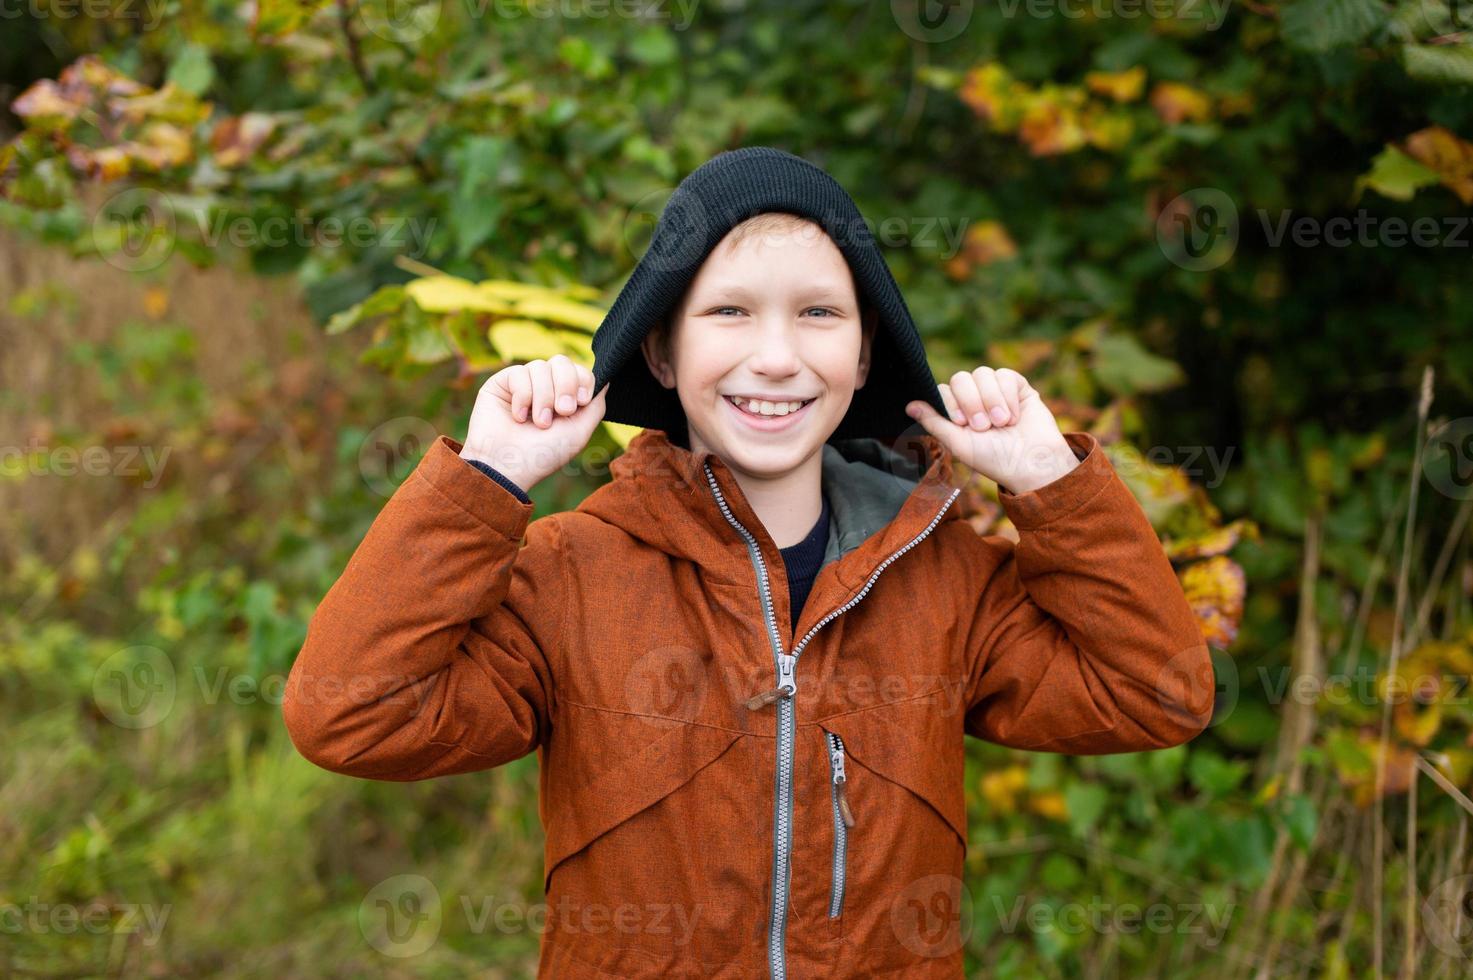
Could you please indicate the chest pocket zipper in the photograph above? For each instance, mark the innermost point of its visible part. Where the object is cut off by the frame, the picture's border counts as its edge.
(843, 820)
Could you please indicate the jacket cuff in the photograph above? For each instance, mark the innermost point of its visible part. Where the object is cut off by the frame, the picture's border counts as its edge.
(500, 509)
(1054, 500)
(500, 478)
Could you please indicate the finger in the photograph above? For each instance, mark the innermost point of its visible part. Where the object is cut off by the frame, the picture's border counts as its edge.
(542, 393)
(564, 384)
(949, 400)
(969, 400)
(1012, 384)
(519, 390)
(585, 384)
(933, 422)
(993, 402)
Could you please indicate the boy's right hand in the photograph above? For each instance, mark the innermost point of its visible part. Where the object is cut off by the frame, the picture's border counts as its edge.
(530, 419)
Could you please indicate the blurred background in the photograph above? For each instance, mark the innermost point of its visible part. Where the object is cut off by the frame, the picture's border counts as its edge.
(255, 255)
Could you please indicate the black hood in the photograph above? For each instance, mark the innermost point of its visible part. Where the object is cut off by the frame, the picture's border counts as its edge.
(714, 198)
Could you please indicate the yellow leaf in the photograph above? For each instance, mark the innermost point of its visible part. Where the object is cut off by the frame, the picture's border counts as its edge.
(1107, 130)
(1050, 124)
(1217, 541)
(523, 340)
(1215, 589)
(1122, 86)
(1000, 787)
(1051, 805)
(623, 434)
(1439, 149)
(559, 310)
(451, 294)
(576, 345)
(1176, 103)
(156, 302)
(986, 242)
(509, 289)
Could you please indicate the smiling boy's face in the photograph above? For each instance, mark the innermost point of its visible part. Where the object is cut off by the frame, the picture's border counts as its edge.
(772, 315)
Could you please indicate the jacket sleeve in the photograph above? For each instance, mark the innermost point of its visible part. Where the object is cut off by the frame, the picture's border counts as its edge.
(433, 652)
(1081, 640)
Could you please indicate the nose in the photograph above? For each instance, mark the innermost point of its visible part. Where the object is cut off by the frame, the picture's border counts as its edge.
(775, 348)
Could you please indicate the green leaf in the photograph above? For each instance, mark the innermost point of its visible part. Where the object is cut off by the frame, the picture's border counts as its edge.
(1124, 367)
(1086, 802)
(1395, 175)
(653, 46)
(1448, 64)
(427, 344)
(1300, 819)
(1319, 25)
(192, 70)
(383, 302)
(1214, 775)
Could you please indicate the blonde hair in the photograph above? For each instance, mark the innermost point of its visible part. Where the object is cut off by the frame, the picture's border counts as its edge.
(772, 223)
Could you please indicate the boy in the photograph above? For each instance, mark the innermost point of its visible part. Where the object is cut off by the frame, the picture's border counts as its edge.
(747, 663)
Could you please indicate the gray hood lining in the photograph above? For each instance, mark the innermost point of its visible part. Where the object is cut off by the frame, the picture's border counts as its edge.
(866, 484)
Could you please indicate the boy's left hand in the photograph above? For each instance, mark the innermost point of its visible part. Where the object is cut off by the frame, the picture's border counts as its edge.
(1000, 428)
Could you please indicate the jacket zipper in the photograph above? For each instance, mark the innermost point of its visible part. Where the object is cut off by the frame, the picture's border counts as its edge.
(843, 820)
(783, 694)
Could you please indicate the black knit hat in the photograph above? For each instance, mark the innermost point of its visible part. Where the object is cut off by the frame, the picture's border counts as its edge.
(714, 198)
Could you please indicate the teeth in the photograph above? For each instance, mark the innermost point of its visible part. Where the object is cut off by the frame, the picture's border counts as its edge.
(765, 407)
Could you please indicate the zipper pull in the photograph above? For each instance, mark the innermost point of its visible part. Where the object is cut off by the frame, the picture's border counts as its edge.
(787, 683)
(836, 761)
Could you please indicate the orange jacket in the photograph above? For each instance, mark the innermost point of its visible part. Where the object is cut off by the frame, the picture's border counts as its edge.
(698, 822)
